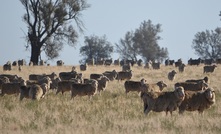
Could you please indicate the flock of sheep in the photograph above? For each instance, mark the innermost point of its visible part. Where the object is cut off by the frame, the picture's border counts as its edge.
(191, 95)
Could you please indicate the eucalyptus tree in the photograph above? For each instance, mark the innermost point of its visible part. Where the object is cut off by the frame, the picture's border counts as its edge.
(51, 24)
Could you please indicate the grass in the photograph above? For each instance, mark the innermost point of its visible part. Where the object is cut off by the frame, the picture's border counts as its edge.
(111, 112)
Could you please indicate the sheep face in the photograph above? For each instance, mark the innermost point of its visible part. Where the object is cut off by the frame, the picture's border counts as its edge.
(179, 92)
(210, 94)
(162, 85)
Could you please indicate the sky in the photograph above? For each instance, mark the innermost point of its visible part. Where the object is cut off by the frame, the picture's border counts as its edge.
(180, 21)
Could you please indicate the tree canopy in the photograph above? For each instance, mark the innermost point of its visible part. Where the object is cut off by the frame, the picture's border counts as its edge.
(96, 48)
(207, 44)
(50, 25)
(143, 42)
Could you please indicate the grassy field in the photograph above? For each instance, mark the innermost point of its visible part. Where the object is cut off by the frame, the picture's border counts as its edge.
(111, 112)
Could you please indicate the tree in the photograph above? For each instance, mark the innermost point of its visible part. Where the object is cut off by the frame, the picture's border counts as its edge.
(96, 48)
(50, 25)
(207, 44)
(146, 38)
(126, 47)
(143, 42)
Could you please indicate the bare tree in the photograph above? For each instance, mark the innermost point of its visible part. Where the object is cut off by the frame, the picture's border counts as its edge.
(50, 25)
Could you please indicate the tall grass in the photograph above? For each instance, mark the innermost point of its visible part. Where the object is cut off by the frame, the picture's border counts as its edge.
(111, 112)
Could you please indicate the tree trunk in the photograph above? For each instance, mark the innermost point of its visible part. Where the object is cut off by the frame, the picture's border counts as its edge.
(35, 48)
(35, 53)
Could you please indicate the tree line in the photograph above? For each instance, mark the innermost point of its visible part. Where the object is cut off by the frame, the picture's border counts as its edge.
(51, 24)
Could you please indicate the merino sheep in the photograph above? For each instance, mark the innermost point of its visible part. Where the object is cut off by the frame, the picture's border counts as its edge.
(7, 67)
(67, 75)
(197, 101)
(209, 69)
(83, 67)
(111, 75)
(156, 65)
(124, 75)
(155, 87)
(102, 84)
(206, 79)
(126, 67)
(12, 88)
(64, 86)
(192, 86)
(164, 101)
(96, 76)
(60, 63)
(134, 85)
(84, 89)
(35, 92)
(24, 92)
(181, 68)
(171, 75)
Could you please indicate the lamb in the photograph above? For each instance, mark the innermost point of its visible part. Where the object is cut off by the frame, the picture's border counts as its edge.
(209, 69)
(206, 79)
(134, 85)
(155, 87)
(192, 86)
(197, 101)
(84, 89)
(171, 75)
(164, 101)
(122, 75)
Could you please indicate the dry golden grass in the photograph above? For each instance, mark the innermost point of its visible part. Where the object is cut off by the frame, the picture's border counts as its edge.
(112, 112)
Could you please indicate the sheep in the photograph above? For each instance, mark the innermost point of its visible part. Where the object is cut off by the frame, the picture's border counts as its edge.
(171, 75)
(96, 76)
(3, 80)
(198, 101)
(181, 68)
(89, 89)
(126, 67)
(148, 65)
(64, 86)
(60, 63)
(134, 85)
(122, 75)
(209, 69)
(156, 65)
(35, 92)
(111, 75)
(192, 86)
(102, 84)
(7, 67)
(155, 87)
(21, 62)
(117, 62)
(194, 61)
(164, 101)
(24, 92)
(12, 88)
(83, 67)
(67, 75)
(206, 79)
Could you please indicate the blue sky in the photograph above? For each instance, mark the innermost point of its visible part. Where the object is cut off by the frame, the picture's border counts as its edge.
(180, 20)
